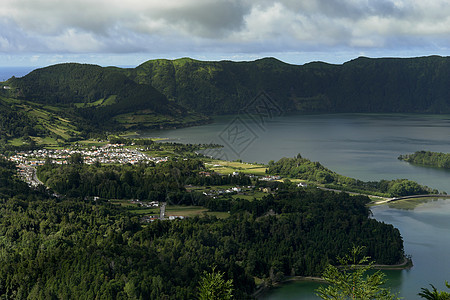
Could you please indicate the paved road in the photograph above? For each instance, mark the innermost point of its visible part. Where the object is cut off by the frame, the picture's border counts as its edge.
(162, 210)
(384, 200)
(354, 193)
(29, 176)
(35, 179)
(418, 196)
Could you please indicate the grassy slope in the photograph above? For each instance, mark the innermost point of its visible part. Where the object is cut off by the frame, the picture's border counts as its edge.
(47, 117)
(228, 167)
(97, 93)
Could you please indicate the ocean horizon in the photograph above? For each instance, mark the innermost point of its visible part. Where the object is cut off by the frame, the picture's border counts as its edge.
(8, 72)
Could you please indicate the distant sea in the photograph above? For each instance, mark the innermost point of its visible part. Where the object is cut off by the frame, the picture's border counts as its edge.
(8, 72)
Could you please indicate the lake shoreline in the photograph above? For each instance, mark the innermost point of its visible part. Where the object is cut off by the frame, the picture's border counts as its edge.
(263, 288)
(406, 264)
(363, 146)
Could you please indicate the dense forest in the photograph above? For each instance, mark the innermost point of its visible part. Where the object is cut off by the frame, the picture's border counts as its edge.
(67, 247)
(428, 158)
(303, 168)
(15, 123)
(156, 182)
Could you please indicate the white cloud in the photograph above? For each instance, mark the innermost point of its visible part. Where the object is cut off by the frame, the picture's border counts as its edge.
(239, 26)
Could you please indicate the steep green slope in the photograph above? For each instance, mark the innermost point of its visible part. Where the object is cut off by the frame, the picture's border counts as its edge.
(216, 87)
(360, 85)
(101, 97)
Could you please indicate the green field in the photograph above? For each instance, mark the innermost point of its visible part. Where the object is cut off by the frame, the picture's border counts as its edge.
(148, 118)
(47, 141)
(246, 194)
(17, 142)
(228, 167)
(171, 210)
(186, 211)
(91, 143)
(250, 196)
(192, 211)
(101, 102)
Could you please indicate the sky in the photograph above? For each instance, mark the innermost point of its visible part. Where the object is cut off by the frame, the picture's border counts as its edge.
(130, 32)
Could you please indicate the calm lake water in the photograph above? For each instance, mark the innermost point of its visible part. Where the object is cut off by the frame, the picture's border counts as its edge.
(363, 146)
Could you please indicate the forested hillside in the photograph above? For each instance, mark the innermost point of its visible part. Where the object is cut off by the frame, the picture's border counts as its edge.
(361, 85)
(15, 123)
(69, 247)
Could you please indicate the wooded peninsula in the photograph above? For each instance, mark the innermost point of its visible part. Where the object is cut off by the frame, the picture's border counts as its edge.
(428, 158)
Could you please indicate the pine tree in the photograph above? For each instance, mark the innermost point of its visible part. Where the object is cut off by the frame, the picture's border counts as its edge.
(214, 287)
(350, 281)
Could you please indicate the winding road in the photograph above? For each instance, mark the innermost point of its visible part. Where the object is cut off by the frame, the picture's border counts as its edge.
(384, 200)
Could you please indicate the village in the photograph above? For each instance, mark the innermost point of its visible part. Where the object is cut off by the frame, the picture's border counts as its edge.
(108, 154)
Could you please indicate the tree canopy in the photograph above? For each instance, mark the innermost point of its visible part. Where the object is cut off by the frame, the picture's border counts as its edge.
(69, 247)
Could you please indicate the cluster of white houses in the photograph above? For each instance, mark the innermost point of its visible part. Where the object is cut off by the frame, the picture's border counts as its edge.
(270, 178)
(108, 154)
(145, 204)
(235, 189)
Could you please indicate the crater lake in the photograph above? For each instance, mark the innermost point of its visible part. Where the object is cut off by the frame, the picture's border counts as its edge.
(362, 146)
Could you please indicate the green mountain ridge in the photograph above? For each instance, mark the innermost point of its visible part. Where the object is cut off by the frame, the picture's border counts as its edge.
(397, 85)
(175, 93)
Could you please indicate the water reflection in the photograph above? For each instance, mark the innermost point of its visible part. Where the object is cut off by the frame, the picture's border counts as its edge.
(307, 289)
(304, 290)
(411, 204)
